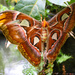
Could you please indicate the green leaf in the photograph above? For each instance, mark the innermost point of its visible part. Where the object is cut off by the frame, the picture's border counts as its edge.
(32, 8)
(59, 2)
(63, 58)
(72, 1)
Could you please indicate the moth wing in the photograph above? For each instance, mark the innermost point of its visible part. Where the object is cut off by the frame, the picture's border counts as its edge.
(59, 27)
(18, 28)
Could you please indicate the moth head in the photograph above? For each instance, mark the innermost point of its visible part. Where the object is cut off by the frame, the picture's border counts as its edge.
(45, 23)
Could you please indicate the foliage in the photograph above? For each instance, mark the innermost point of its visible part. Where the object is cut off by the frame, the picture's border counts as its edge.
(49, 71)
(29, 70)
(33, 8)
(59, 2)
(3, 8)
(72, 1)
(52, 9)
(62, 57)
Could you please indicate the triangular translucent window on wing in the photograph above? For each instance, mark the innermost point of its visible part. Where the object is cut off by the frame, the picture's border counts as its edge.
(36, 40)
(54, 36)
(25, 23)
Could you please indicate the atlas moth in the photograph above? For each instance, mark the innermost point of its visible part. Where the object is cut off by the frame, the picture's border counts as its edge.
(33, 37)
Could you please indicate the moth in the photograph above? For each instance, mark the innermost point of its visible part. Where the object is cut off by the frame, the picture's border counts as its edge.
(33, 37)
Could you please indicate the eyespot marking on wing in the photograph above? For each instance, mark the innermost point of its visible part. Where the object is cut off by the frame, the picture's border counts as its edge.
(36, 40)
(54, 36)
(25, 23)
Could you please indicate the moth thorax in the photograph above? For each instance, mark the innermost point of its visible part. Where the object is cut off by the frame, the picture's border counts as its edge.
(44, 35)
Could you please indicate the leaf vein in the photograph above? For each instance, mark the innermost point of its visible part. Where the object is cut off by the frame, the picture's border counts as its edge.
(33, 7)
